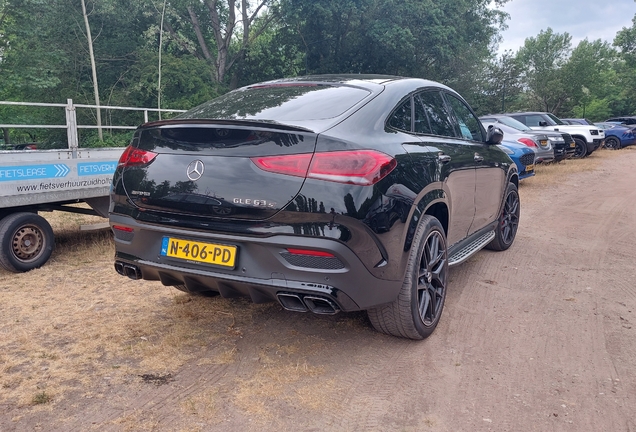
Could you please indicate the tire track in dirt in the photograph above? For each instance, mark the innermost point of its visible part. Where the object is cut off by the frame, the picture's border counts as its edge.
(160, 404)
(545, 348)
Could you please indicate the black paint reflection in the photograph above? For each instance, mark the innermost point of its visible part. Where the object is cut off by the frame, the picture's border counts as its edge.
(201, 138)
(289, 102)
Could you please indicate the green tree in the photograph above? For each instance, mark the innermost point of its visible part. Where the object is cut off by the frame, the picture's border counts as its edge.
(625, 41)
(541, 60)
(445, 40)
(498, 86)
(221, 31)
(585, 78)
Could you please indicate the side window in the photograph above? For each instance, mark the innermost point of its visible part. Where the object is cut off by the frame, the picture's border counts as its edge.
(401, 118)
(467, 122)
(432, 105)
(533, 120)
(421, 124)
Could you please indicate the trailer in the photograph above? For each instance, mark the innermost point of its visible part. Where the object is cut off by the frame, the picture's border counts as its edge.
(34, 181)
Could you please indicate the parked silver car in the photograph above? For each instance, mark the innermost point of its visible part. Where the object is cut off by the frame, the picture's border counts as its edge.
(563, 146)
(539, 143)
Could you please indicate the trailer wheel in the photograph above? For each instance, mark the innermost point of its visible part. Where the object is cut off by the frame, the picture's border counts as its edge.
(27, 242)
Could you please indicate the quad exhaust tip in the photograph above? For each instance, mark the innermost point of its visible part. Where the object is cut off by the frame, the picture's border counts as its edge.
(298, 303)
(132, 271)
(291, 302)
(320, 305)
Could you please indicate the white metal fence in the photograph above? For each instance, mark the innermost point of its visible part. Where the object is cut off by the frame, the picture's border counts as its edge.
(71, 125)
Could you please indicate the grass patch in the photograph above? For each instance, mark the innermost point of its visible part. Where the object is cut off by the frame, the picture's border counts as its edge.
(75, 322)
(41, 398)
(553, 174)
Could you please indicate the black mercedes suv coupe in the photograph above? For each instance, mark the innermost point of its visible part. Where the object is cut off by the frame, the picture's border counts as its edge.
(324, 193)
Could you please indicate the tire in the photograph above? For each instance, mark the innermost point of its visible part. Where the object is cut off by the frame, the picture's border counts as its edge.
(417, 310)
(27, 242)
(508, 223)
(580, 150)
(612, 143)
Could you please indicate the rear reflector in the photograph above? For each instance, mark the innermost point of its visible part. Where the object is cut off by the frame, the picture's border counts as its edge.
(359, 167)
(310, 252)
(123, 228)
(133, 156)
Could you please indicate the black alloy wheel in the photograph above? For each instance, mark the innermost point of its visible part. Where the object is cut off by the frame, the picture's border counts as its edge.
(580, 151)
(431, 286)
(418, 308)
(508, 223)
(612, 143)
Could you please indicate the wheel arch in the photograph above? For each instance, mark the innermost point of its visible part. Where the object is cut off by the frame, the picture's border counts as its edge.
(439, 210)
(434, 203)
(581, 137)
(514, 178)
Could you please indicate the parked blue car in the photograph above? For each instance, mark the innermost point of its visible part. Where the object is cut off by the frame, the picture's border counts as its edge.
(618, 135)
(522, 155)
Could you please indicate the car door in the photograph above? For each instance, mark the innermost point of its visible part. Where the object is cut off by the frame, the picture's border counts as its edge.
(451, 157)
(487, 160)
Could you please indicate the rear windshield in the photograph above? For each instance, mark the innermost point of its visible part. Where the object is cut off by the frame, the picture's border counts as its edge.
(280, 102)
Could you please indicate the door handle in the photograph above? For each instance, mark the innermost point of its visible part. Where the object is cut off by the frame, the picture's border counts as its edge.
(478, 157)
(443, 158)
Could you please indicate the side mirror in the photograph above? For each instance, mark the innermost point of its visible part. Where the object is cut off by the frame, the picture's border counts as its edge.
(543, 123)
(494, 135)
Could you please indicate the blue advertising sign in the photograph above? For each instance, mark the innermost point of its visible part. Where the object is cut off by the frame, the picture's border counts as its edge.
(96, 168)
(32, 172)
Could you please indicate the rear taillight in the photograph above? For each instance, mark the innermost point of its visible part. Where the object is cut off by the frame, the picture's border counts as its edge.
(359, 167)
(134, 156)
(528, 142)
(294, 165)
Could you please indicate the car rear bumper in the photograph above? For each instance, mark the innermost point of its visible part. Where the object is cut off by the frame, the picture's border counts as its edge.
(264, 268)
(544, 155)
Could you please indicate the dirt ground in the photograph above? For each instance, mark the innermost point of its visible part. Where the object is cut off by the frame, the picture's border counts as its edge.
(541, 337)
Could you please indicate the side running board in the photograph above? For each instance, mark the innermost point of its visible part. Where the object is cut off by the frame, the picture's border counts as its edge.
(472, 248)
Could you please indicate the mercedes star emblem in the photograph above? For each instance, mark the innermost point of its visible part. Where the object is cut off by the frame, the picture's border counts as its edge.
(195, 170)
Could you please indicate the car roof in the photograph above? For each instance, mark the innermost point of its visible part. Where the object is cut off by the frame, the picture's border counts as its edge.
(494, 115)
(391, 89)
(368, 81)
(526, 112)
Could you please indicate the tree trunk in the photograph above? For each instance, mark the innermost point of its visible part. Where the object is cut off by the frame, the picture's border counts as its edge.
(94, 69)
(5, 133)
(163, 14)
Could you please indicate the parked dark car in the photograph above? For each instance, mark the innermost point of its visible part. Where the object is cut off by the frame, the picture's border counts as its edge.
(618, 135)
(561, 144)
(339, 193)
(626, 120)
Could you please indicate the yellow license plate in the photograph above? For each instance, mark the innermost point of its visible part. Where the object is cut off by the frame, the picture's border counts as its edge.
(529, 168)
(209, 253)
(572, 145)
(543, 143)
